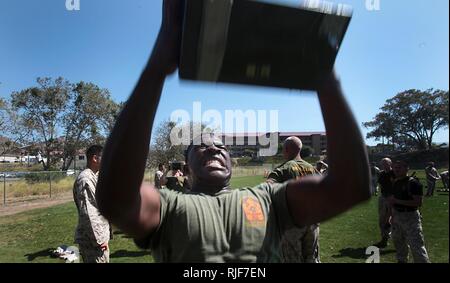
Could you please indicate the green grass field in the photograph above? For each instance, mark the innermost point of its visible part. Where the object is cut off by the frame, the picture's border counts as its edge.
(30, 236)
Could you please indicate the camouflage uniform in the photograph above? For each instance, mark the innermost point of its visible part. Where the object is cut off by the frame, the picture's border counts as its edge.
(444, 178)
(432, 177)
(406, 222)
(375, 172)
(178, 184)
(158, 175)
(385, 180)
(299, 245)
(93, 229)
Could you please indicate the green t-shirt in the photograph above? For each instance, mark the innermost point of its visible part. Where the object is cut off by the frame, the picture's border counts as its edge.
(242, 225)
(292, 169)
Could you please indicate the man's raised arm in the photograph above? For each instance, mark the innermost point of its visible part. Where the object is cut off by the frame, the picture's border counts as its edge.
(347, 183)
(121, 196)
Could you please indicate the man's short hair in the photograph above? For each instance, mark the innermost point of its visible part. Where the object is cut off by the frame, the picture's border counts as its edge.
(93, 150)
(160, 165)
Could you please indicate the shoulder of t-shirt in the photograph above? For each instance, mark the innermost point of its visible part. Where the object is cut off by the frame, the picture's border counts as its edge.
(267, 188)
(84, 177)
(304, 163)
(168, 194)
(281, 166)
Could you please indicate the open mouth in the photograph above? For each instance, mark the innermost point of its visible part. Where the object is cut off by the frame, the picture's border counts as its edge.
(214, 162)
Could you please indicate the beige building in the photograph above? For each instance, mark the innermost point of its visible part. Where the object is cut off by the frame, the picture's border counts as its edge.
(242, 144)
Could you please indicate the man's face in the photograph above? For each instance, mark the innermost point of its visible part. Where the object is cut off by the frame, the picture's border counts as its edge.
(386, 164)
(96, 161)
(400, 170)
(209, 162)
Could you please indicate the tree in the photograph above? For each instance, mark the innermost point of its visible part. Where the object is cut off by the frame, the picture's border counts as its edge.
(162, 150)
(306, 151)
(412, 118)
(13, 134)
(63, 117)
(87, 120)
(42, 108)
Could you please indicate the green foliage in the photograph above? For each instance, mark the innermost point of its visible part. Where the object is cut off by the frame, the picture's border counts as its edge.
(411, 118)
(162, 150)
(62, 117)
(307, 151)
(89, 118)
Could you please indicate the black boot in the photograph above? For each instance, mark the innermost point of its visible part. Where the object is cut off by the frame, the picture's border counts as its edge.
(383, 243)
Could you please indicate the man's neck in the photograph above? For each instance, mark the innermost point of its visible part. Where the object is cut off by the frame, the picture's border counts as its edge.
(93, 168)
(297, 158)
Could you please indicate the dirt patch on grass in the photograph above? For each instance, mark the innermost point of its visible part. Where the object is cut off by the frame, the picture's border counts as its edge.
(29, 203)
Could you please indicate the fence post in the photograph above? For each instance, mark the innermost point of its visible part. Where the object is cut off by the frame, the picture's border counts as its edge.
(50, 178)
(4, 189)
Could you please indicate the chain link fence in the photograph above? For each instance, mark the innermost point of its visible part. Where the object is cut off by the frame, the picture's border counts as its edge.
(27, 186)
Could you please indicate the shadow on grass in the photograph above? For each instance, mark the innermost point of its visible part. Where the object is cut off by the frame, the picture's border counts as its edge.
(43, 253)
(123, 235)
(358, 253)
(125, 253)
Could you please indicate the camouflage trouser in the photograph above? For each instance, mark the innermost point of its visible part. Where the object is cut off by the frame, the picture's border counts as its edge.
(301, 245)
(93, 254)
(430, 185)
(407, 231)
(384, 213)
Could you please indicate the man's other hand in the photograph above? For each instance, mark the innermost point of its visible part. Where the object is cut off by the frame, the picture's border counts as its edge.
(104, 246)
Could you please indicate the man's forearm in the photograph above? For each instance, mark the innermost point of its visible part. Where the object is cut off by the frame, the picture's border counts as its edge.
(314, 199)
(346, 148)
(125, 153)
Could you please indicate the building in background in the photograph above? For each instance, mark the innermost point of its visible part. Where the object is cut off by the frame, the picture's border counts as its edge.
(246, 144)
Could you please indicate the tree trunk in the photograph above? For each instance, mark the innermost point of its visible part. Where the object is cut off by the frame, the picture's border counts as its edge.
(67, 163)
(430, 141)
